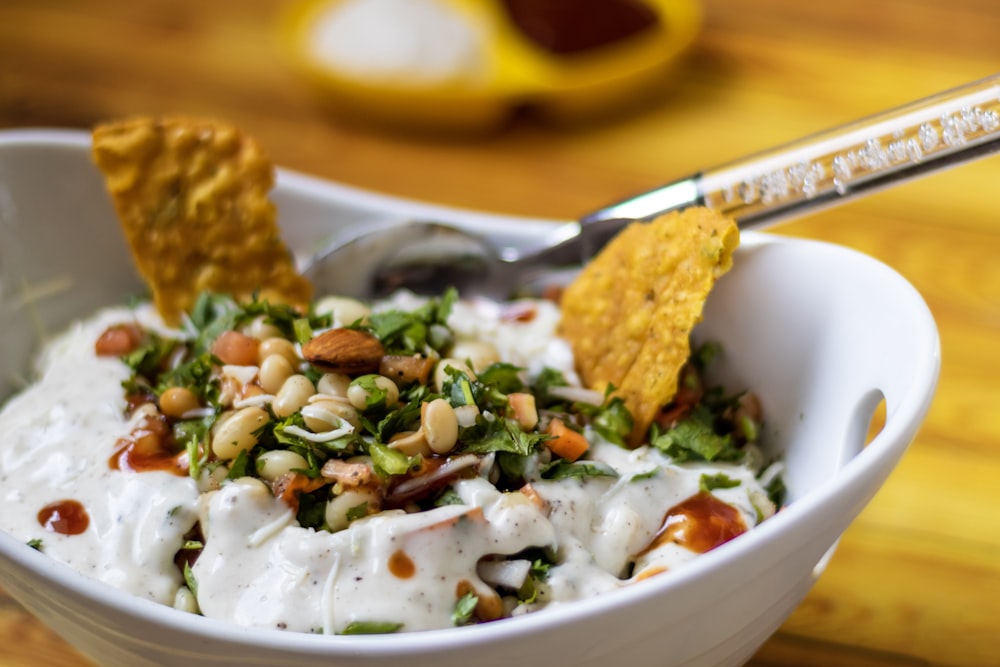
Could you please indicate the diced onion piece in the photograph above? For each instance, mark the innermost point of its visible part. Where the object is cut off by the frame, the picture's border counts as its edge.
(300, 432)
(507, 573)
(578, 394)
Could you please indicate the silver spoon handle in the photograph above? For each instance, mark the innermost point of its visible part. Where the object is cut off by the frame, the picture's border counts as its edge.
(944, 130)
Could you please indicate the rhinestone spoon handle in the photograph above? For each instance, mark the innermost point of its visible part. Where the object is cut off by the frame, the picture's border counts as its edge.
(950, 128)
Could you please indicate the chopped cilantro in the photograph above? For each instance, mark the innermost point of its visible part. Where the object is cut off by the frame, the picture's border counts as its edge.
(502, 377)
(694, 439)
(193, 545)
(417, 331)
(777, 491)
(189, 579)
(498, 435)
(147, 359)
(464, 609)
(193, 435)
(240, 466)
(613, 421)
(35, 543)
(705, 354)
(543, 384)
(709, 483)
(537, 575)
(303, 330)
(357, 512)
(649, 474)
(312, 508)
(448, 497)
(404, 418)
(389, 461)
(561, 469)
(371, 628)
(214, 314)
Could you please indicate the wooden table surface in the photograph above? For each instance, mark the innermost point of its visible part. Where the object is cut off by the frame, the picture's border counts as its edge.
(916, 580)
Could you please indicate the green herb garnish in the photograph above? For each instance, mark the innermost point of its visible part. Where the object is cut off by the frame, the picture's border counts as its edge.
(371, 628)
(464, 609)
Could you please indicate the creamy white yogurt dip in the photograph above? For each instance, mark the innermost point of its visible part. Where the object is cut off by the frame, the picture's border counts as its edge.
(473, 542)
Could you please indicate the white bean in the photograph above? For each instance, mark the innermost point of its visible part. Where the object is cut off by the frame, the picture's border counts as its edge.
(338, 507)
(211, 479)
(333, 384)
(325, 414)
(410, 443)
(439, 425)
(294, 393)
(479, 352)
(274, 370)
(260, 329)
(278, 345)
(185, 600)
(273, 464)
(236, 434)
(344, 310)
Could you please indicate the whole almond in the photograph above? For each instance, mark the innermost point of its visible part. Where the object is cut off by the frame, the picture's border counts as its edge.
(347, 351)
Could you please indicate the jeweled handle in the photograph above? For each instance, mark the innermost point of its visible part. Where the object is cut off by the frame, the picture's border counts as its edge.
(947, 129)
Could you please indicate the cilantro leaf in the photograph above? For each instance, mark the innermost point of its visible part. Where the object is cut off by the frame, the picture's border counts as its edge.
(147, 359)
(502, 377)
(498, 435)
(705, 354)
(777, 491)
(543, 384)
(371, 628)
(189, 579)
(709, 483)
(560, 469)
(36, 544)
(240, 466)
(414, 332)
(537, 575)
(464, 608)
(404, 418)
(389, 461)
(193, 435)
(312, 508)
(359, 511)
(613, 421)
(694, 439)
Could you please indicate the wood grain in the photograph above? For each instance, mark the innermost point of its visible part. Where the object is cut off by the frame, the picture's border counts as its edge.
(916, 579)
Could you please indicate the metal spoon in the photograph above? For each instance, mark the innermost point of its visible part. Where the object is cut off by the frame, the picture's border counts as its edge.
(947, 129)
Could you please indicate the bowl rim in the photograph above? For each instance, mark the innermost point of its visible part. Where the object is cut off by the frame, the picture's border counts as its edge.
(896, 435)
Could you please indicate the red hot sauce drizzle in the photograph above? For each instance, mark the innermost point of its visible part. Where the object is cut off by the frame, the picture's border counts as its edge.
(150, 446)
(700, 523)
(66, 517)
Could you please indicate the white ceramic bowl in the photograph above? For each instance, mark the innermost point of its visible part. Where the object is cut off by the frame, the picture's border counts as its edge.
(820, 332)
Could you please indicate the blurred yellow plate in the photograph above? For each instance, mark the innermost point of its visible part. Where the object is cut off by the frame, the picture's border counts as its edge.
(464, 65)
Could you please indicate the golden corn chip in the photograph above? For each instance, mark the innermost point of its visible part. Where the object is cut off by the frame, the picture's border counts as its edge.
(192, 198)
(630, 312)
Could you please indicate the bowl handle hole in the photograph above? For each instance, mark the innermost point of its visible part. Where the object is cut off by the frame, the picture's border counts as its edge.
(866, 423)
(876, 423)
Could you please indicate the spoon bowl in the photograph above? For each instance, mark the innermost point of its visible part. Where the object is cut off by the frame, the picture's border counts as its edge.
(424, 257)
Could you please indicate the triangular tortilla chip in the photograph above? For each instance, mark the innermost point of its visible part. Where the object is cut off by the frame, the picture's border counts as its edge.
(630, 312)
(192, 199)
